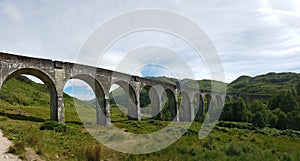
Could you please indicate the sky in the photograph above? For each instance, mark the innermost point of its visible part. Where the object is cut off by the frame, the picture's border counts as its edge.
(251, 37)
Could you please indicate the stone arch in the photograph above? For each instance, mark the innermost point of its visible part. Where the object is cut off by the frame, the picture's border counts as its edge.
(47, 80)
(170, 106)
(198, 105)
(185, 111)
(102, 113)
(133, 108)
(154, 101)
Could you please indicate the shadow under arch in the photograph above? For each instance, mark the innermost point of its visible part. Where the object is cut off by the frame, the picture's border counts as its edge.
(185, 111)
(169, 109)
(46, 79)
(131, 97)
(149, 94)
(101, 113)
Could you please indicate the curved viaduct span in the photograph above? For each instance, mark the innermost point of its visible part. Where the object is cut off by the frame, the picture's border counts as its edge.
(56, 73)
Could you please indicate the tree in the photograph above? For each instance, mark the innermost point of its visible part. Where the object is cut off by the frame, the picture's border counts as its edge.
(294, 120)
(274, 103)
(282, 119)
(259, 107)
(240, 111)
(298, 89)
(227, 112)
(289, 103)
(285, 101)
(258, 120)
(235, 111)
(273, 120)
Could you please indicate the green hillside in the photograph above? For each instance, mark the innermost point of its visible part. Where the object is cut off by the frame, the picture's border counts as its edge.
(265, 84)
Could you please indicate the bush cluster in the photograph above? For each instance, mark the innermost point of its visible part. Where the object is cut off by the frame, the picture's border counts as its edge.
(53, 125)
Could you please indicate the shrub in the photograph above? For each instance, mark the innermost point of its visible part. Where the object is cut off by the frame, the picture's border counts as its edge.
(53, 125)
(239, 125)
(49, 125)
(60, 128)
(155, 122)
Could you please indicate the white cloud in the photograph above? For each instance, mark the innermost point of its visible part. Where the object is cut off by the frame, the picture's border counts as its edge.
(12, 12)
(252, 37)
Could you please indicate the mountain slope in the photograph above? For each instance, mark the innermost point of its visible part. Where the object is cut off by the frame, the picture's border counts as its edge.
(264, 84)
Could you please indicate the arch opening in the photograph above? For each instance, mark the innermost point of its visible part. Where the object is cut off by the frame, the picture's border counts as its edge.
(90, 91)
(149, 102)
(86, 94)
(123, 102)
(31, 94)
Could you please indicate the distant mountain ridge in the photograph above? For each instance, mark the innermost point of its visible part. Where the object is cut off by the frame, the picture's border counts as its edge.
(261, 84)
(269, 83)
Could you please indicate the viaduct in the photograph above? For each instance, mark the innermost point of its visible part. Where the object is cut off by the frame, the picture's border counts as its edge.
(56, 73)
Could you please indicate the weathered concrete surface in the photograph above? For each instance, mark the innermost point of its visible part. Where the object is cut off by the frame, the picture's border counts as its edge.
(55, 74)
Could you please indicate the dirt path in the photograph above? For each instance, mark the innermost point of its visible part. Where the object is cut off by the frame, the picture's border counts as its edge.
(4, 145)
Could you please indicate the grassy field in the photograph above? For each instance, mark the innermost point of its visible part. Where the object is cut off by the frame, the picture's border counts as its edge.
(21, 123)
(222, 144)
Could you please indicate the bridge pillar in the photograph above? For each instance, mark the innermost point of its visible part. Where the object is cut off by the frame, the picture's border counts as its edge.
(103, 111)
(107, 110)
(134, 111)
(138, 104)
(134, 106)
(58, 113)
(176, 110)
(61, 109)
(192, 111)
